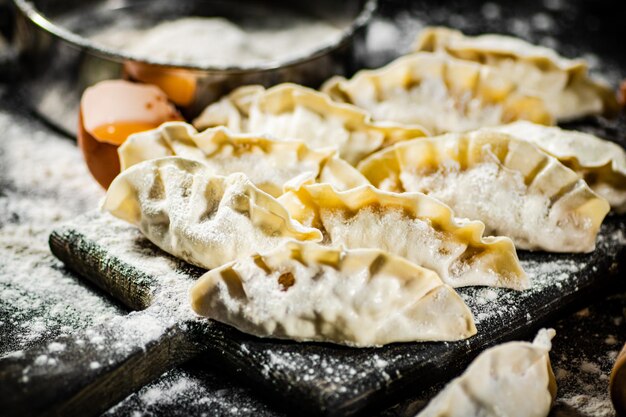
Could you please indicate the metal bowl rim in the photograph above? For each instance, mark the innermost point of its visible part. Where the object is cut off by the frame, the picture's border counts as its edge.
(28, 9)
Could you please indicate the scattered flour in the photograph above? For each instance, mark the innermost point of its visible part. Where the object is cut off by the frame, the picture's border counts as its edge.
(590, 367)
(491, 11)
(340, 374)
(555, 4)
(43, 182)
(542, 21)
(387, 38)
(56, 347)
(589, 405)
(195, 391)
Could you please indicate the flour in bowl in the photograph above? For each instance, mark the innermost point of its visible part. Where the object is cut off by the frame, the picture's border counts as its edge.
(215, 41)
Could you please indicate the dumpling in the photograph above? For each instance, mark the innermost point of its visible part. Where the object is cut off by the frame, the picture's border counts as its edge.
(564, 84)
(510, 185)
(412, 225)
(600, 162)
(206, 220)
(268, 163)
(441, 93)
(513, 379)
(308, 292)
(293, 112)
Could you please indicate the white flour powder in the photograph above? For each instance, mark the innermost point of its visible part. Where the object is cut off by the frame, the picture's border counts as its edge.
(215, 41)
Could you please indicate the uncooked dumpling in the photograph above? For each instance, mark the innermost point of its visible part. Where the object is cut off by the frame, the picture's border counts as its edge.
(204, 219)
(293, 112)
(308, 292)
(600, 162)
(513, 379)
(564, 84)
(268, 163)
(509, 184)
(441, 93)
(412, 225)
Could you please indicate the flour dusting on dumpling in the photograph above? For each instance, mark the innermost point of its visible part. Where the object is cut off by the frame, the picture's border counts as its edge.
(412, 225)
(293, 112)
(204, 219)
(270, 164)
(515, 189)
(309, 292)
(563, 84)
(441, 93)
(513, 379)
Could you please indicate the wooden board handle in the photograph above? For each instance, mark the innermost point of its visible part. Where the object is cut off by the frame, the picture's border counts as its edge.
(86, 373)
(131, 287)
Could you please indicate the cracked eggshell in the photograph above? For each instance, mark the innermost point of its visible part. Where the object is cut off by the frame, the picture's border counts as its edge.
(109, 112)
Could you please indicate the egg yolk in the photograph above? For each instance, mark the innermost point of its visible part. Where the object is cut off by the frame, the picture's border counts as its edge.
(116, 133)
(179, 85)
(111, 111)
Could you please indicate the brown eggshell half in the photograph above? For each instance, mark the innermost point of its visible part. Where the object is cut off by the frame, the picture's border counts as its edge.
(112, 110)
(101, 157)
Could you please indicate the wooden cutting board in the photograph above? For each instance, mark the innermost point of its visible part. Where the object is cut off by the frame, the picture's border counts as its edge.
(86, 373)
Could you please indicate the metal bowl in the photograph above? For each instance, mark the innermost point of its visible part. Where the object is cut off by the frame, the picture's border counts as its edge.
(58, 61)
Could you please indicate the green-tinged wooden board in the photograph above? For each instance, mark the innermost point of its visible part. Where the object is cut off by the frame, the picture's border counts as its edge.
(97, 368)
